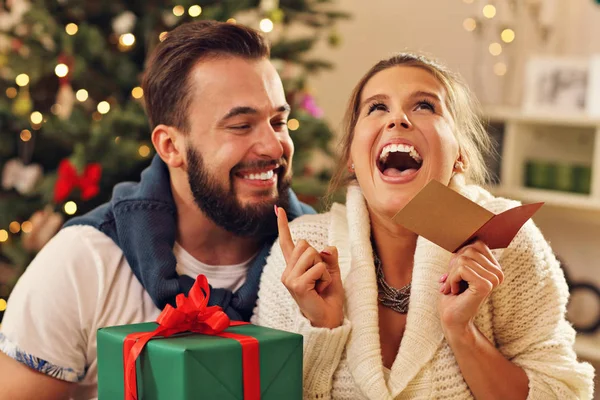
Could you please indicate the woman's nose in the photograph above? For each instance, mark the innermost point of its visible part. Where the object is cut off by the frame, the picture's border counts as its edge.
(402, 122)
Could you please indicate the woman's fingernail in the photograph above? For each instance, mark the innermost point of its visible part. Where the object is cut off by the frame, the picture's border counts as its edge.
(443, 278)
(276, 214)
(442, 287)
(326, 253)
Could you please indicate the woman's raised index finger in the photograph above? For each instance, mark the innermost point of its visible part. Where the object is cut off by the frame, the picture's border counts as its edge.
(285, 236)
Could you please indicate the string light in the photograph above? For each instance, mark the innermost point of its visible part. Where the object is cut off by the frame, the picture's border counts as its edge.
(3, 305)
(27, 226)
(70, 207)
(127, 39)
(178, 11)
(162, 36)
(470, 24)
(71, 29)
(137, 92)
(293, 124)
(507, 35)
(25, 135)
(144, 151)
(266, 25)
(3, 235)
(11, 92)
(61, 70)
(103, 107)
(81, 95)
(489, 11)
(195, 11)
(500, 69)
(14, 227)
(117, 139)
(22, 80)
(231, 21)
(495, 49)
(36, 117)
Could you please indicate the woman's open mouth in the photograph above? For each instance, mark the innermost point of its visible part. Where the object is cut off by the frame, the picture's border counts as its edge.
(399, 160)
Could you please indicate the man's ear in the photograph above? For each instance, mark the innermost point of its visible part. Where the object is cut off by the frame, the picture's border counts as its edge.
(169, 143)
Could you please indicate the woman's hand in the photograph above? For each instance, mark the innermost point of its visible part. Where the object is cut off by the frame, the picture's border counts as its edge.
(473, 274)
(312, 278)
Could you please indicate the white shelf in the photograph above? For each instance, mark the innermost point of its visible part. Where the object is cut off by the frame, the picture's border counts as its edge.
(550, 197)
(587, 347)
(505, 114)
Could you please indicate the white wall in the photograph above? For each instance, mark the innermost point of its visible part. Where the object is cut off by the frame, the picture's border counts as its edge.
(381, 27)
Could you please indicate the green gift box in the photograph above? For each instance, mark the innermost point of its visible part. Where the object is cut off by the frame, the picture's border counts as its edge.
(197, 366)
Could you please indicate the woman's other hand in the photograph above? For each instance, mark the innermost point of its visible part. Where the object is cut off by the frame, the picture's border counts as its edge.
(312, 278)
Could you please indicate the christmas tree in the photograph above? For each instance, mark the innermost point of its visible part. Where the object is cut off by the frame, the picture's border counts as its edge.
(72, 123)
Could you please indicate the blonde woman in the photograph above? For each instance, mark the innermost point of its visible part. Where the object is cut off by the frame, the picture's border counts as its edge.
(379, 307)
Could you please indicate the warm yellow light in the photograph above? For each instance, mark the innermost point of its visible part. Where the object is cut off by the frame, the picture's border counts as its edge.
(2, 304)
(507, 35)
(103, 107)
(25, 135)
(489, 11)
(495, 49)
(14, 227)
(266, 25)
(470, 24)
(61, 70)
(3, 235)
(137, 92)
(195, 11)
(82, 95)
(117, 139)
(11, 92)
(126, 39)
(22, 79)
(27, 226)
(144, 150)
(70, 207)
(500, 69)
(293, 124)
(178, 11)
(71, 28)
(231, 21)
(36, 117)
(162, 36)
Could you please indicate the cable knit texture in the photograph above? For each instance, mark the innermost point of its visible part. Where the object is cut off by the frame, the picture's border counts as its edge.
(524, 317)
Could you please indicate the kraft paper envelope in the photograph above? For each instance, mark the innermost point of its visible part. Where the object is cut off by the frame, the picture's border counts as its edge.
(450, 220)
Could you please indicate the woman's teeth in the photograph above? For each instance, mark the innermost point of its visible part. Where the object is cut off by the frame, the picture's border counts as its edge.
(263, 176)
(404, 148)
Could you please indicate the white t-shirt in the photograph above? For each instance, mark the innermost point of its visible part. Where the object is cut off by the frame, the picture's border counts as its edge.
(78, 283)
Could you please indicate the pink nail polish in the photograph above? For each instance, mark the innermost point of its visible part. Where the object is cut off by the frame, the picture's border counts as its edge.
(443, 278)
(275, 208)
(326, 253)
(442, 287)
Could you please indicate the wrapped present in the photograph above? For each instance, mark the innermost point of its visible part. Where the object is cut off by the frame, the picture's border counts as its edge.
(196, 352)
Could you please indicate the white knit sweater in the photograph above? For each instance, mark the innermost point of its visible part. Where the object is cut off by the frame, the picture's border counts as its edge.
(523, 317)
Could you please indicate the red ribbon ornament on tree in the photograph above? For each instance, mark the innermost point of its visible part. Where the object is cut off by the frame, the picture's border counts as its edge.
(68, 179)
(193, 315)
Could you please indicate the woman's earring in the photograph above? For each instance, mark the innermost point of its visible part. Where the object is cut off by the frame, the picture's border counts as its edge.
(352, 167)
(458, 165)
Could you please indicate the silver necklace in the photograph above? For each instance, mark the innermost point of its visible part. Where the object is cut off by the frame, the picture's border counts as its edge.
(390, 297)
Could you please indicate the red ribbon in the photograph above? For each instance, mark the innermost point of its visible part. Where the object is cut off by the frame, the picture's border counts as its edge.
(193, 315)
(68, 179)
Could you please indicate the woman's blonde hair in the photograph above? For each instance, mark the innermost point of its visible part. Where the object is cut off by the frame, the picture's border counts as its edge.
(473, 140)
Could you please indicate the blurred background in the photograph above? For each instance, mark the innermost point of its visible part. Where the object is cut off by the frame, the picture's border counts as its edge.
(72, 122)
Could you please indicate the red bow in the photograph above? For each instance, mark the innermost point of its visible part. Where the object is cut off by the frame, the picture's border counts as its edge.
(193, 315)
(68, 180)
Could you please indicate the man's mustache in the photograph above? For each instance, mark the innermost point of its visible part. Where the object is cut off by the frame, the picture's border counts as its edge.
(256, 164)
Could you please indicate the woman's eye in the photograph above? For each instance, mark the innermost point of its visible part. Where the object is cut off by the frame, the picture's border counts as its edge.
(377, 107)
(425, 105)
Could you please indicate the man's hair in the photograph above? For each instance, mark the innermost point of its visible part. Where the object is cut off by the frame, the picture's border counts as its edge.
(167, 91)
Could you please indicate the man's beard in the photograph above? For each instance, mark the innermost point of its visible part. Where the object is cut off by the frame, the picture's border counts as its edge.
(221, 204)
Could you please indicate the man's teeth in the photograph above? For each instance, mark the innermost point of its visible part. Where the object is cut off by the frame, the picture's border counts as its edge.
(263, 176)
(404, 148)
